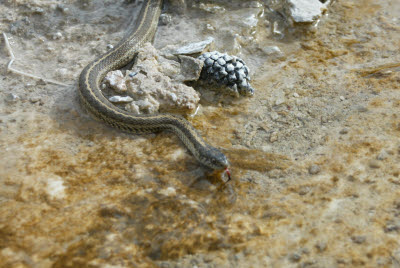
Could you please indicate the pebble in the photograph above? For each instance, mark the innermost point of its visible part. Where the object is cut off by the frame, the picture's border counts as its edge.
(314, 169)
(120, 99)
(295, 257)
(12, 98)
(391, 228)
(34, 99)
(321, 246)
(57, 36)
(210, 27)
(374, 164)
(193, 48)
(109, 46)
(342, 98)
(296, 95)
(382, 155)
(359, 239)
(273, 137)
(272, 51)
(344, 131)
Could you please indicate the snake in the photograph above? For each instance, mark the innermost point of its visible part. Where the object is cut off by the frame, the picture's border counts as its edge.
(139, 32)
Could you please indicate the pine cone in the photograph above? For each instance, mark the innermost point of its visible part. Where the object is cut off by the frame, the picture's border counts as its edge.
(225, 70)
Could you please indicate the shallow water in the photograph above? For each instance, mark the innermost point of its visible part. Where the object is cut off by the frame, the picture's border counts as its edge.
(314, 153)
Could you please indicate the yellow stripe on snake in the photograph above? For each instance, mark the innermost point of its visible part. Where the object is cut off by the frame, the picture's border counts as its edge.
(92, 98)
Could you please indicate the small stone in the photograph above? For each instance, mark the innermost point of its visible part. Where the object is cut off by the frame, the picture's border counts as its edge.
(34, 99)
(170, 191)
(273, 51)
(362, 109)
(132, 74)
(342, 98)
(210, 27)
(38, 10)
(314, 169)
(382, 155)
(12, 98)
(391, 228)
(321, 246)
(295, 257)
(359, 239)
(120, 99)
(344, 131)
(273, 137)
(296, 95)
(194, 48)
(57, 35)
(374, 164)
(109, 46)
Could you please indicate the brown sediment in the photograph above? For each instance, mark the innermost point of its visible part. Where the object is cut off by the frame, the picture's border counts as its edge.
(76, 193)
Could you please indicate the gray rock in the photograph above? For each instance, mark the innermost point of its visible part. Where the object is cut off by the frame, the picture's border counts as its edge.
(359, 239)
(12, 98)
(314, 169)
(194, 48)
(382, 155)
(120, 99)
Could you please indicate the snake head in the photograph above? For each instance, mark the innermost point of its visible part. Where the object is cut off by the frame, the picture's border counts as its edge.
(216, 160)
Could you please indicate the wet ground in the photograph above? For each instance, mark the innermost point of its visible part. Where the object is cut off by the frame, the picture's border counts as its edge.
(315, 153)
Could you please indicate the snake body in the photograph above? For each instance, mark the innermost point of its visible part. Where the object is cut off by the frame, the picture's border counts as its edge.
(92, 98)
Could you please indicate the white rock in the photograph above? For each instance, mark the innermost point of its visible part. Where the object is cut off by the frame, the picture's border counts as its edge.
(55, 187)
(170, 191)
(305, 11)
(194, 48)
(273, 51)
(120, 99)
(156, 84)
(116, 80)
(57, 35)
(212, 8)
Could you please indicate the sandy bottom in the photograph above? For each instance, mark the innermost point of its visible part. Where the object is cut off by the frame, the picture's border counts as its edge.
(315, 153)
